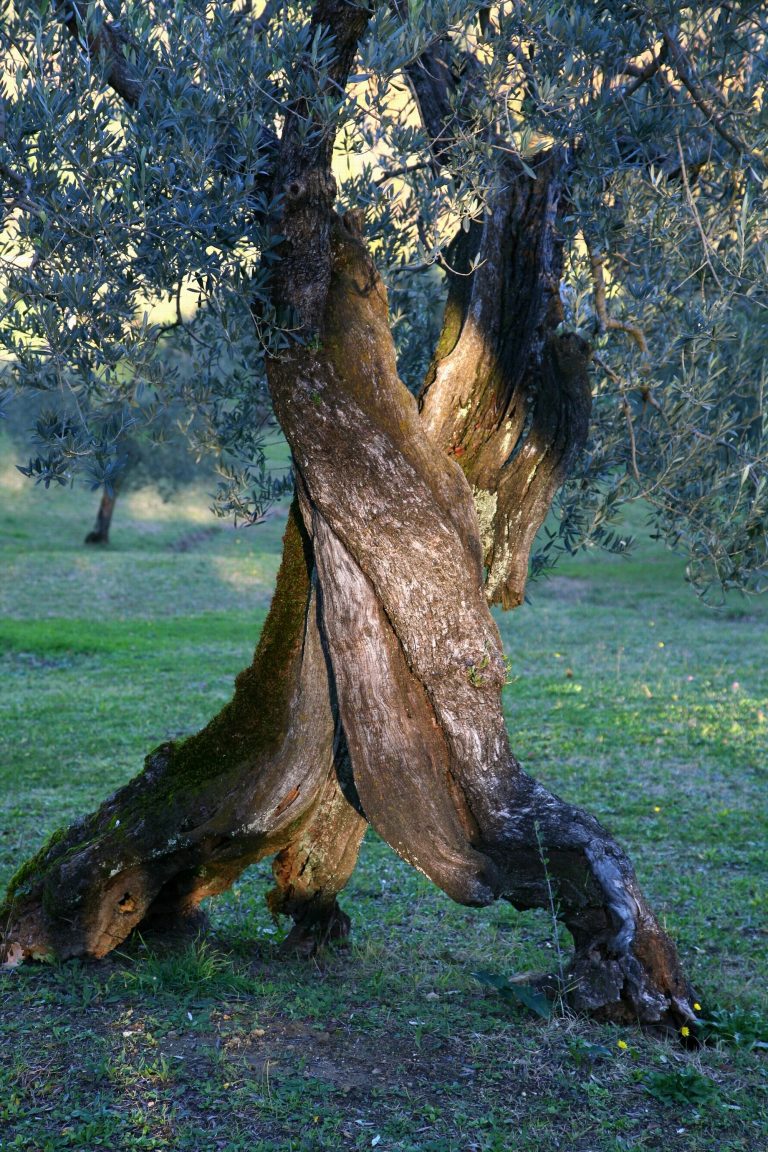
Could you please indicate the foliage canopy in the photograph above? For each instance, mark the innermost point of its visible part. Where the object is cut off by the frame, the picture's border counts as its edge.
(136, 147)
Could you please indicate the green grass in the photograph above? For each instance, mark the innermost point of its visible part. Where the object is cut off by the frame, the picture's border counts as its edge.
(627, 696)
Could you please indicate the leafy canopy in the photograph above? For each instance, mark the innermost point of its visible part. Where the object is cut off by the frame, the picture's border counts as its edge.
(139, 219)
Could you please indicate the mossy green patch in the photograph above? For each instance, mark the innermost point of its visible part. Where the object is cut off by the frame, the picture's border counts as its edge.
(255, 721)
(35, 866)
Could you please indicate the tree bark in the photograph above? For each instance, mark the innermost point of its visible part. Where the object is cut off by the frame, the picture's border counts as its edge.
(99, 534)
(260, 779)
(508, 394)
(376, 686)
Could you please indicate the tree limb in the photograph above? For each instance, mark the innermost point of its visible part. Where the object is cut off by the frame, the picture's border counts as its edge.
(303, 176)
(686, 73)
(605, 322)
(640, 76)
(109, 46)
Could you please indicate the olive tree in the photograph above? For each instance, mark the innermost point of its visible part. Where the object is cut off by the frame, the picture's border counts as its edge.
(502, 268)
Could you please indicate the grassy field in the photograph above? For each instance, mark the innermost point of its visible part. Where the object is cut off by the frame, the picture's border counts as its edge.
(626, 696)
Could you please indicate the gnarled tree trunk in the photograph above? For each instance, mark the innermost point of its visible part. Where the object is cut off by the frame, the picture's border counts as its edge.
(379, 640)
(376, 686)
(261, 778)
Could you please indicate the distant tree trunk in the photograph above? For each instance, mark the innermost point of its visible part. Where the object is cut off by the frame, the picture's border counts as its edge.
(376, 686)
(99, 534)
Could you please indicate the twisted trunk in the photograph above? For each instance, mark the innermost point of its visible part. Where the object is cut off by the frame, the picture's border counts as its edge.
(376, 686)
(418, 665)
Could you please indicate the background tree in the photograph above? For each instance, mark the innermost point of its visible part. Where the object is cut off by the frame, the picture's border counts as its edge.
(156, 455)
(573, 174)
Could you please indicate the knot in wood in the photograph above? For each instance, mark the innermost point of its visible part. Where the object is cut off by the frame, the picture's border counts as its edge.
(294, 191)
(312, 188)
(354, 222)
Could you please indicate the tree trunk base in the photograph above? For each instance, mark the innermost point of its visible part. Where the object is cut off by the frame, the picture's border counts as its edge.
(375, 689)
(100, 531)
(310, 936)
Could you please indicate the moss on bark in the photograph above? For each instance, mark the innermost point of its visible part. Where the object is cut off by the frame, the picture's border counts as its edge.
(255, 720)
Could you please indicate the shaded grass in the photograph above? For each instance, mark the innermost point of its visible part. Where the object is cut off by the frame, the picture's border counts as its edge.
(627, 696)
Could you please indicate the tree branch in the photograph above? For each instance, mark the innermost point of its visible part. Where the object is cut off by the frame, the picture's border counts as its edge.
(695, 212)
(272, 9)
(303, 175)
(686, 73)
(640, 76)
(605, 322)
(108, 45)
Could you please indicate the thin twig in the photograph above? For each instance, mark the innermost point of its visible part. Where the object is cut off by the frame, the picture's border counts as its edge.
(606, 322)
(405, 170)
(686, 73)
(694, 210)
(640, 76)
(552, 906)
(632, 444)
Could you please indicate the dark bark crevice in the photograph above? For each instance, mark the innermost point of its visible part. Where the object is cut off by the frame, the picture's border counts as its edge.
(508, 393)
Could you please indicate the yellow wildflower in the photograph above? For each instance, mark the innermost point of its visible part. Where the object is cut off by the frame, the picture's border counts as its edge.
(697, 1007)
(685, 1030)
(622, 1044)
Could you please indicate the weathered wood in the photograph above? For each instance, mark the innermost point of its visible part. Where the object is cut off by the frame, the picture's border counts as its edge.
(508, 394)
(259, 779)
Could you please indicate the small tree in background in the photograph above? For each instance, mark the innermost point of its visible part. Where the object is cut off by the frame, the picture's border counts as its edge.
(158, 457)
(581, 192)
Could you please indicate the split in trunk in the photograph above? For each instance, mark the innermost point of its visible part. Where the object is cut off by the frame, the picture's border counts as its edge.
(379, 641)
(376, 687)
